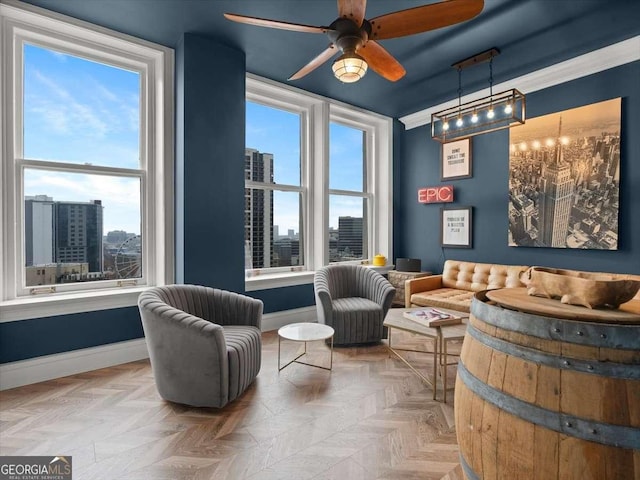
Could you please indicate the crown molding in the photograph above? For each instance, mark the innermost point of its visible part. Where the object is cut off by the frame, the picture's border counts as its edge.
(599, 60)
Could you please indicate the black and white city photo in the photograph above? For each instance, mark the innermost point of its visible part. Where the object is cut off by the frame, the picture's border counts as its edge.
(564, 177)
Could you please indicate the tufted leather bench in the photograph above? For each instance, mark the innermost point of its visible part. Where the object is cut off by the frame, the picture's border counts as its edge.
(455, 288)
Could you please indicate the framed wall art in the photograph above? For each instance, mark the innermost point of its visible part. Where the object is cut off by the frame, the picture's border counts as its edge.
(456, 227)
(564, 178)
(456, 160)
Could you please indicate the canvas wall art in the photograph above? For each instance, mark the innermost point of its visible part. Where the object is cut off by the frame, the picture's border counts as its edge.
(564, 177)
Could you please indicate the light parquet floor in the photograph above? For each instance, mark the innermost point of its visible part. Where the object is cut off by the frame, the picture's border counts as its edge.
(370, 418)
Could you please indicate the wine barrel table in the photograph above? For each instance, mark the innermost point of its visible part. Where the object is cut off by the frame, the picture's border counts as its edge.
(548, 391)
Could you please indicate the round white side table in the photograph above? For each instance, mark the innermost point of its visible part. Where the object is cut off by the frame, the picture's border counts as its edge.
(305, 332)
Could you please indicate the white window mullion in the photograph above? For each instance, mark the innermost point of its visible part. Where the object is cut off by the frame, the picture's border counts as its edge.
(319, 201)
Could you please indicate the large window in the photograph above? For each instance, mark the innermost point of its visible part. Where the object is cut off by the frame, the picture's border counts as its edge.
(317, 184)
(87, 156)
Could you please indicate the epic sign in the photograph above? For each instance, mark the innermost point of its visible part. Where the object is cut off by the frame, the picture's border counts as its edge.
(443, 194)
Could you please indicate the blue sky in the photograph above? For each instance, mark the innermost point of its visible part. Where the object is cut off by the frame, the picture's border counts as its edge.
(79, 111)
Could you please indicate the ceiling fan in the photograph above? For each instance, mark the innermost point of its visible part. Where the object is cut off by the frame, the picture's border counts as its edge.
(356, 37)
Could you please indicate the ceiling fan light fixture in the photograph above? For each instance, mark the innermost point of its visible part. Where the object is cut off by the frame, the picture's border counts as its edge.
(349, 68)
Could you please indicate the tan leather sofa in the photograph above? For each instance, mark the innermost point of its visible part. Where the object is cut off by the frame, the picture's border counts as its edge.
(459, 281)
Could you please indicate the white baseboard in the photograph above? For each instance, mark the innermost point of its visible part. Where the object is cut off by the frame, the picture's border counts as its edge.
(273, 321)
(48, 367)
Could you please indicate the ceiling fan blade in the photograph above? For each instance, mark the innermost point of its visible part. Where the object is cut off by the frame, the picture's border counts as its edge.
(264, 22)
(315, 63)
(352, 9)
(424, 18)
(381, 61)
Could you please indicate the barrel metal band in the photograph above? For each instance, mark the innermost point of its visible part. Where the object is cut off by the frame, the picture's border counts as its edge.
(603, 433)
(470, 474)
(605, 369)
(571, 331)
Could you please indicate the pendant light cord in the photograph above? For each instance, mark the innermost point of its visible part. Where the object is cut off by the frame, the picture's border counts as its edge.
(491, 77)
(459, 88)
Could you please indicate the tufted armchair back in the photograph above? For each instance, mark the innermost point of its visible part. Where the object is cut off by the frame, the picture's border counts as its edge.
(476, 277)
(343, 281)
(217, 306)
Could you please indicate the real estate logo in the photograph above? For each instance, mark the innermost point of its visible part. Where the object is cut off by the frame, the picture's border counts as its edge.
(35, 468)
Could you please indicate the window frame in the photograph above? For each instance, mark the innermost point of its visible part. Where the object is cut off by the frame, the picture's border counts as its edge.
(20, 24)
(304, 113)
(319, 112)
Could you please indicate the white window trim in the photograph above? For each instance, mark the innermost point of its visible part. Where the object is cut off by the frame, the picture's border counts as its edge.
(319, 111)
(45, 28)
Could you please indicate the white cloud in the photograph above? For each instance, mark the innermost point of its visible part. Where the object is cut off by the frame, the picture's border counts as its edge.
(61, 57)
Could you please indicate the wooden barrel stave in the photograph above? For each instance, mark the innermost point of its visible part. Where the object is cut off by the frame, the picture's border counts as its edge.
(492, 441)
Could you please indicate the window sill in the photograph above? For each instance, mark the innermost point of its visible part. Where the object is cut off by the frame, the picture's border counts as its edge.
(24, 308)
(290, 279)
(278, 280)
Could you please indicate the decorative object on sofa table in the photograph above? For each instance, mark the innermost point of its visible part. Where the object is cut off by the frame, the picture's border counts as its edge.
(379, 260)
(408, 264)
(456, 160)
(574, 287)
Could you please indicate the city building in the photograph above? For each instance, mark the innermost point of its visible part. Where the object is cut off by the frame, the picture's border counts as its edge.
(555, 200)
(258, 209)
(63, 232)
(351, 238)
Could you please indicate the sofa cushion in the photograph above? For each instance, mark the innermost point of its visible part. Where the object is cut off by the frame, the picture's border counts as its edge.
(452, 298)
(476, 277)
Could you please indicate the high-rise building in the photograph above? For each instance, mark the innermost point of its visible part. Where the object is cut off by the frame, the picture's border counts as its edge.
(350, 237)
(39, 223)
(63, 232)
(258, 208)
(555, 199)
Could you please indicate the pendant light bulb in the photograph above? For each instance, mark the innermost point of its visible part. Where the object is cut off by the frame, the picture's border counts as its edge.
(507, 108)
(459, 122)
(474, 117)
(445, 125)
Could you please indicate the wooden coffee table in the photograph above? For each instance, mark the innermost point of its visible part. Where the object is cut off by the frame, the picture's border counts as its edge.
(440, 336)
(305, 332)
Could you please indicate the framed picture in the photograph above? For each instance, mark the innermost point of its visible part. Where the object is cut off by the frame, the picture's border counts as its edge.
(455, 227)
(456, 159)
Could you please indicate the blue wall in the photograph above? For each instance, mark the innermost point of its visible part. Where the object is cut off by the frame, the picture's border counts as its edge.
(44, 336)
(210, 163)
(487, 192)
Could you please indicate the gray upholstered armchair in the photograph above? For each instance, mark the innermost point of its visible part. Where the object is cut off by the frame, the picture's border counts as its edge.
(204, 343)
(354, 301)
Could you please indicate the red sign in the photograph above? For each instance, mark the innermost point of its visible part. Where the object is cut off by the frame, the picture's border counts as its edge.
(443, 194)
